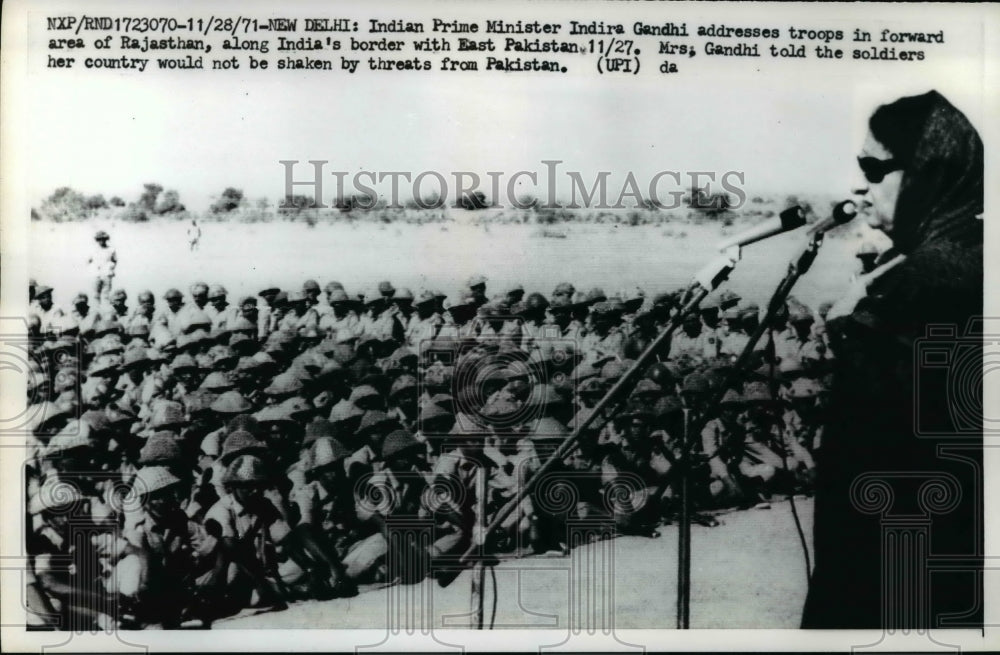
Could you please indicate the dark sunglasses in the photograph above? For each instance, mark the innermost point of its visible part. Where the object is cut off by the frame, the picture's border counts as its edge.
(876, 169)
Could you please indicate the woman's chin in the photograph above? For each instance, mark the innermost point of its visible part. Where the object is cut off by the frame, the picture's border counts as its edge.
(876, 222)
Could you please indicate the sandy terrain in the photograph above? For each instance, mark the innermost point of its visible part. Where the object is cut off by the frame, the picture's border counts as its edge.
(747, 573)
(248, 257)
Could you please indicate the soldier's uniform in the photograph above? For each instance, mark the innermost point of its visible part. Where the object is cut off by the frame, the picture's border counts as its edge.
(46, 317)
(102, 263)
(296, 323)
(788, 345)
(705, 344)
(84, 321)
(173, 320)
(422, 329)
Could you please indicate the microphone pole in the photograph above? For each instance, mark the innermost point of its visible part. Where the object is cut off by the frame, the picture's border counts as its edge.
(798, 267)
(705, 281)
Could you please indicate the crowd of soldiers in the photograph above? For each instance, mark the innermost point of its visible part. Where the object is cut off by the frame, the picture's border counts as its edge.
(193, 458)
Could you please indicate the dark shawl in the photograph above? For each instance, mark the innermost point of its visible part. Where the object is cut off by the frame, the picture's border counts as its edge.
(900, 422)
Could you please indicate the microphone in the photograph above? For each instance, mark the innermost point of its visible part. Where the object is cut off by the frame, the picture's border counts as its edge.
(790, 219)
(843, 212)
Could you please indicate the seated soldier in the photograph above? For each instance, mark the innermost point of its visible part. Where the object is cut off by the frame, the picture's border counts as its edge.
(758, 462)
(246, 526)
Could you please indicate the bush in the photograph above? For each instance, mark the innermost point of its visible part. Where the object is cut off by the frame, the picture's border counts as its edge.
(135, 213)
(292, 205)
(148, 198)
(474, 200)
(65, 204)
(96, 202)
(116, 202)
(229, 200)
(170, 203)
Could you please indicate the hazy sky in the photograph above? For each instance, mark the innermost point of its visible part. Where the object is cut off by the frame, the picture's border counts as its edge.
(110, 132)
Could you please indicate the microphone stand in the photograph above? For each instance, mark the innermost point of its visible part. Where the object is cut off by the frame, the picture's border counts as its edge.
(796, 269)
(705, 281)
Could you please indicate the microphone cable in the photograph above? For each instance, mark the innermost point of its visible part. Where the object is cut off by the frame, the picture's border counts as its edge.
(784, 460)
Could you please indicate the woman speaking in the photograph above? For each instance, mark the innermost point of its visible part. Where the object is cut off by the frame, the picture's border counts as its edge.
(899, 519)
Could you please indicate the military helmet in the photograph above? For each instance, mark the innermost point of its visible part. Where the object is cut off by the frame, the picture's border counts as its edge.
(398, 441)
(402, 383)
(536, 301)
(564, 289)
(153, 478)
(231, 402)
(239, 443)
(246, 469)
(167, 414)
(326, 451)
(661, 374)
(695, 383)
(162, 447)
(757, 392)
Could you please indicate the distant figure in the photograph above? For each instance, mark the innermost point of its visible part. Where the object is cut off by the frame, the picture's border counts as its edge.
(102, 265)
(193, 234)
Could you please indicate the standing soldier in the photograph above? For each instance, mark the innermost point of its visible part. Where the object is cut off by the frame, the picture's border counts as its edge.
(194, 234)
(102, 263)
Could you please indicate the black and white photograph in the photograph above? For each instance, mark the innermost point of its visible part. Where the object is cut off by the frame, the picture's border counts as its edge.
(459, 325)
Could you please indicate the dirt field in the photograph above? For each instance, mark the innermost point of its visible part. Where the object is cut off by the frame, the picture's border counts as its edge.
(747, 573)
(247, 257)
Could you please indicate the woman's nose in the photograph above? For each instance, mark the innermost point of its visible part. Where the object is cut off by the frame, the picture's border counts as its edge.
(859, 185)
